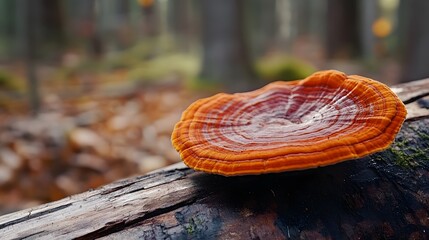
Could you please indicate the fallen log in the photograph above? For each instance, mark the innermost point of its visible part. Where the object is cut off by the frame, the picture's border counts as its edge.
(382, 196)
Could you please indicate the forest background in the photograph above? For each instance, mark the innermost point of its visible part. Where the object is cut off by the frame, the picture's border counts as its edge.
(90, 90)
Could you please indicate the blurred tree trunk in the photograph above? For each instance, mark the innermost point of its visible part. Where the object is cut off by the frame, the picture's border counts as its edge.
(309, 17)
(342, 28)
(263, 21)
(150, 18)
(47, 26)
(368, 14)
(28, 9)
(51, 26)
(415, 30)
(123, 33)
(226, 60)
(178, 23)
(7, 22)
(86, 28)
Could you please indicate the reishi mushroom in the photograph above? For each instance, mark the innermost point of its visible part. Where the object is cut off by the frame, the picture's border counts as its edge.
(324, 119)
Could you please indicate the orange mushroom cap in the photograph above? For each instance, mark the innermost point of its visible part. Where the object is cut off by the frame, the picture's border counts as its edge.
(327, 118)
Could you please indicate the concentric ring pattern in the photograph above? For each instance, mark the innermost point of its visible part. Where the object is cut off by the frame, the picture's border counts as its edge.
(324, 119)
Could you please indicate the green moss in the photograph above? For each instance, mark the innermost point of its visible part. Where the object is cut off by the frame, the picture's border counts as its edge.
(405, 153)
(150, 49)
(378, 157)
(421, 134)
(190, 229)
(283, 68)
(10, 82)
(179, 65)
(193, 226)
(401, 158)
(199, 84)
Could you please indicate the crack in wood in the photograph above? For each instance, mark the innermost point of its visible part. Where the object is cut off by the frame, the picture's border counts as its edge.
(423, 103)
(34, 215)
(170, 176)
(117, 226)
(415, 98)
(128, 183)
(112, 190)
(32, 236)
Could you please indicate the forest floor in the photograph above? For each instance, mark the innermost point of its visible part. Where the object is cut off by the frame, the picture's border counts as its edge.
(103, 133)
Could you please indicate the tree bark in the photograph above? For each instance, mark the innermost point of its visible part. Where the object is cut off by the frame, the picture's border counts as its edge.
(29, 8)
(225, 55)
(368, 14)
(382, 196)
(342, 29)
(416, 38)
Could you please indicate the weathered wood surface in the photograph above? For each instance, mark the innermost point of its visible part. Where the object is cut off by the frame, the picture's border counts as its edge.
(382, 196)
(416, 97)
